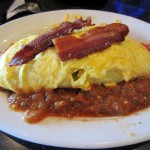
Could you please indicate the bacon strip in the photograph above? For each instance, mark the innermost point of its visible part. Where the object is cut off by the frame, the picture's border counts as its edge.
(94, 40)
(41, 43)
(122, 28)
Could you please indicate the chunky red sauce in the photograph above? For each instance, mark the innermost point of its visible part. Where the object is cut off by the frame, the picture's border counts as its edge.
(120, 100)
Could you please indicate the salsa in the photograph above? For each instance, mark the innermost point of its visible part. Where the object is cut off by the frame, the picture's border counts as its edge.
(100, 101)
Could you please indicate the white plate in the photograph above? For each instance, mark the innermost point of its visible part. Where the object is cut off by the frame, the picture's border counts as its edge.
(76, 133)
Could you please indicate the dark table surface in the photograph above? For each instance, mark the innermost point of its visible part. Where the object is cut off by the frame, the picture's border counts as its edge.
(8, 142)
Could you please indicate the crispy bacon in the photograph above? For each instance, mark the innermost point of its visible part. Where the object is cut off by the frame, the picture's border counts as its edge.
(41, 43)
(122, 28)
(94, 40)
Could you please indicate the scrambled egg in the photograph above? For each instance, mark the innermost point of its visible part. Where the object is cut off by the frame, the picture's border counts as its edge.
(121, 62)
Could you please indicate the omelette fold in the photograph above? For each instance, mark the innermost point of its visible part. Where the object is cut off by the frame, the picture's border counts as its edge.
(122, 61)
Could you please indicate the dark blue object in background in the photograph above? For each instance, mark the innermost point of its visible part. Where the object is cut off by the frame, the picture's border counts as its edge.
(135, 8)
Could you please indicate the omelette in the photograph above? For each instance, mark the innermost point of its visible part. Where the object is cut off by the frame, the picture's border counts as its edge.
(122, 61)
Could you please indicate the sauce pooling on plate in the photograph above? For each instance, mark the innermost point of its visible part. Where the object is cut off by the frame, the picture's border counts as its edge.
(120, 100)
